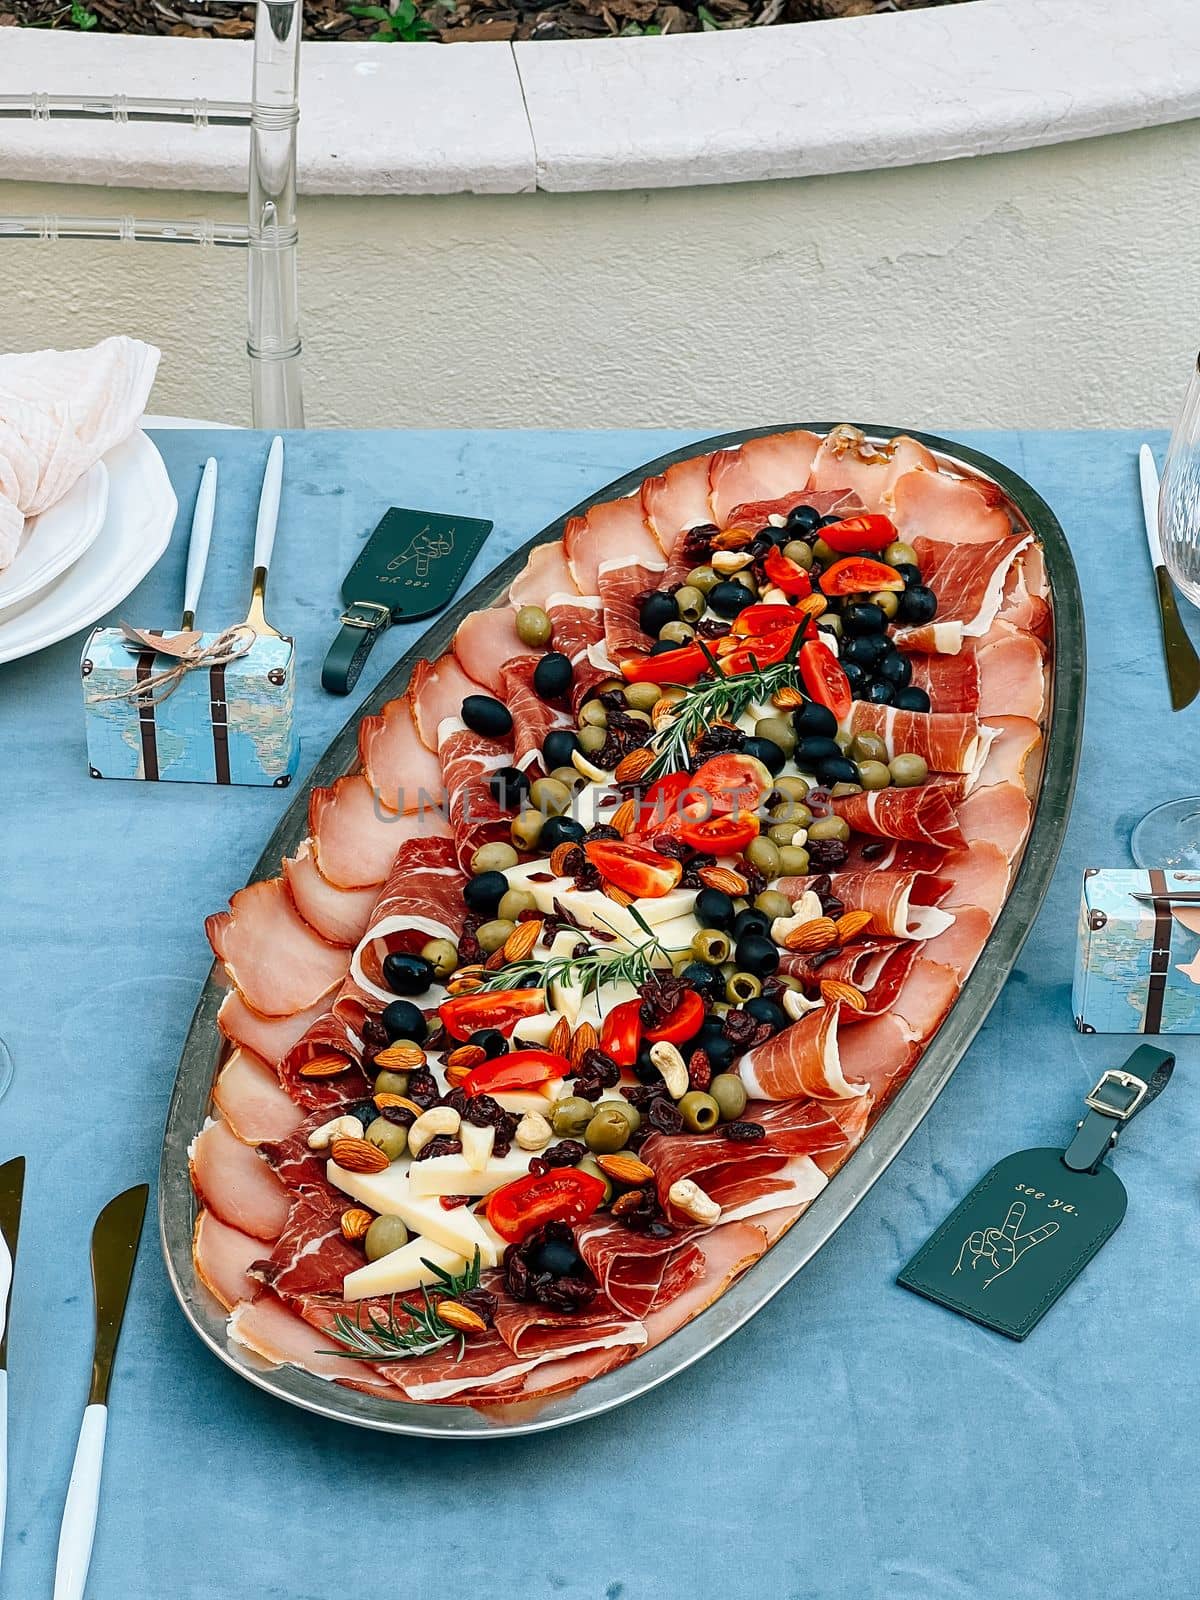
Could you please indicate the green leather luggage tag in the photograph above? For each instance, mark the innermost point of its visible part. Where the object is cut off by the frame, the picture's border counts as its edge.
(1027, 1230)
(409, 568)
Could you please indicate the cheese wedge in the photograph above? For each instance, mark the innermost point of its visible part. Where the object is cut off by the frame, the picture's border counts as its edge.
(476, 1148)
(454, 1175)
(401, 1270)
(390, 1194)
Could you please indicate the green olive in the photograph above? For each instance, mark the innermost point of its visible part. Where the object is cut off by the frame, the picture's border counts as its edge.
(702, 578)
(592, 715)
(534, 627)
(712, 946)
(830, 622)
(729, 1092)
(793, 861)
(677, 632)
(608, 1131)
(764, 854)
(589, 1164)
(493, 934)
(773, 904)
(571, 776)
(441, 955)
(550, 797)
(841, 790)
(790, 788)
(390, 1137)
(908, 770)
(699, 1111)
(391, 1083)
(778, 730)
(493, 858)
(824, 553)
(783, 832)
(513, 902)
(887, 601)
(793, 811)
(799, 551)
(830, 828)
(631, 1113)
(642, 696)
(900, 554)
(742, 986)
(640, 716)
(692, 603)
(383, 1236)
(526, 828)
(592, 738)
(571, 1116)
(874, 774)
(746, 578)
(868, 747)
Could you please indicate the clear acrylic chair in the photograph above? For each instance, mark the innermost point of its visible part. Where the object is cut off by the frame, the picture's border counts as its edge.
(270, 235)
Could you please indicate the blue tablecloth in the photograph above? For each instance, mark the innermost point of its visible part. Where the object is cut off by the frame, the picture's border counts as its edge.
(852, 1442)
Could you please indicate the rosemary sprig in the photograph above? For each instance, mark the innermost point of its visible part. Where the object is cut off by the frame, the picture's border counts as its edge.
(423, 1331)
(588, 971)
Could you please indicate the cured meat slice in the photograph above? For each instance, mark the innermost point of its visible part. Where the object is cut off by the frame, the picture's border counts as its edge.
(614, 531)
(545, 573)
(266, 1326)
(619, 584)
(880, 1054)
(742, 1195)
(829, 502)
(926, 996)
(290, 1159)
(979, 872)
(950, 681)
(726, 1251)
(269, 1038)
(903, 904)
(950, 741)
(876, 967)
(550, 1378)
(677, 500)
(329, 1035)
(579, 635)
(533, 717)
(959, 947)
(760, 469)
(310, 1255)
(222, 1257)
(436, 691)
(476, 815)
(355, 840)
(273, 958)
(338, 915)
(534, 1330)
(968, 579)
(924, 815)
(802, 1060)
(848, 461)
(931, 638)
(636, 1272)
(853, 1117)
(248, 1096)
(483, 642)
(405, 775)
(999, 814)
(934, 505)
(236, 1184)
(1020, 608)
(1012, 675)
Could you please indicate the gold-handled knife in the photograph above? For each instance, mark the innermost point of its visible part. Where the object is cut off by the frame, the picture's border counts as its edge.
(12, 1185)
(114, 1250)
(1183, 666)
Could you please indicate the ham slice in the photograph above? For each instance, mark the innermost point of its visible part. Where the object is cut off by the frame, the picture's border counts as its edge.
(266, 1326)
(950, 741)
(269, 1038)
(933, 505)
(310, 1255)
(903, 904)
(950, 681)
(848, 461)
(403, 773)
(545, 573)
(579, 635)
(923, 814)
(852, 1116)
(1017, 738)
(534, 1330)
(271, 955)
(1019, 608)
(829, 502)
(469, 761)
(880, 1054)
(559, 1376)
(802, 1060)
(355, 840)
(484, 641)
(930, 638)
(248, 1096)
(236, 1184)
(726, 1251)
(619, 584)
(968, 580)
(1000, 814)
(338, 915)
(979, 872)
(1012, 675)
(615, 531)
(677, 500)
(926, 996)
(436, 691)
(636, 1272)
(222, 1257)
(960, 946)
(876, 967)
(533, 717)
(765, 469)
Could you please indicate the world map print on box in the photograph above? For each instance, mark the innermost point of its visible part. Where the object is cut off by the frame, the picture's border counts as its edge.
(1137, 962)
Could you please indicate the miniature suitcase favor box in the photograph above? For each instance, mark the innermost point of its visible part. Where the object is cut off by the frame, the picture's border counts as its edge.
(1137, 961)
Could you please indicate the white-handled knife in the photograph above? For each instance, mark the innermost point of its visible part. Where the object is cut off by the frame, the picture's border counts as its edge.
(1183, 665)
(264, 538)
(198, 542)
(12, 1184)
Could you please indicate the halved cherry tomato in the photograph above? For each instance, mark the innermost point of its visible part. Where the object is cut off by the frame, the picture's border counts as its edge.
(764, 618)
(499, 1008)
(562, 1195)
(822, 676)
(785, 574)
(859, 575)
(721, 836)
(684, 665)
(852, 534)
(621, 1032)
(520, 1069)
(763, 651)
(731, 782)
(683, 1023)
(663, 803)
(640, 872)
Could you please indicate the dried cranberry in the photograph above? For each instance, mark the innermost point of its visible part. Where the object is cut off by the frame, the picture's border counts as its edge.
(399, 1116)
(643, 1095)
(822, 884)
(719, 739)
(567, 1153)
(603, 831)
(827, 852)
(454, 1202)
(547, 1269)
(699, 1071)
(739, 1027)
(665, 1116)
(743, 1132)
(595, 1064)
(711, 628)
(440, 1145)
(423, 1088)
(482, 1301)
(832, 906)
(665, 844)
(691, 878)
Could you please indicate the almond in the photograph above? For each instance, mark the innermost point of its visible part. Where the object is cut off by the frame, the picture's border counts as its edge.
(460, 1317)
(464, 983)
(403, 1056)
(787, 698)
(813, 605)
(466, 1055)
(724, 878)
(619, 896)
(625, 1169)
(559, 1041)
(356, 1155)
(819, 934)
(836, 993)
(633, 766)
(662, 711)
(584, 1038)
(558, 857)
(496, 960)
(355, 1222)
(732, 538)
(851, 923)
(327, 1066)
(624, 818)
(522, 939)
(457, 1075)
(386, 1100)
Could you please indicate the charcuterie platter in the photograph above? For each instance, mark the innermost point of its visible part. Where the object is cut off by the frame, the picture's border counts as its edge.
(623, 938)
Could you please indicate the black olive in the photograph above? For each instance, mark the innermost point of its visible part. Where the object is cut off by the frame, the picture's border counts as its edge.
(909, 573)
(715, 1045)
(879, 692)
(812, 718)
(558, 1258)
(706, 981)
(491, 1040)
(814, 748)
(863, 616)
(911, 698)
(803, 519)
(558, 747)
(838, 769)
(656, 611)
(484, 893)
(828, 521)
(407, 974)
(917, 605)
(764, 1010)
(403, 1020)
(558, 830)
(553, 675)
(856, 676)
(660, 647)
(714, 909)
(485, 715)
(861, 651)
(644, 1069)
(509, 787)
(896, 668)
(727, 599)
(768, 536)
(757, 954)
(766, 751)
(749, 922)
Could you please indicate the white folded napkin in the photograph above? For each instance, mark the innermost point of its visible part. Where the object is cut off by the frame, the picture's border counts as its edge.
(60, 410)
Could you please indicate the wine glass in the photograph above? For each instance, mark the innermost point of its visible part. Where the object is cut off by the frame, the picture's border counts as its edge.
(1169, 836)
(6, 1068)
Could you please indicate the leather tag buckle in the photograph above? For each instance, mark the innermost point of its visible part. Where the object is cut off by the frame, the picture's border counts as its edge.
(1126, 1080)
(382, 615)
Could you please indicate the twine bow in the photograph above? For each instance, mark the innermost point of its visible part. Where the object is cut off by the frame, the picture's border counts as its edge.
(189, 653)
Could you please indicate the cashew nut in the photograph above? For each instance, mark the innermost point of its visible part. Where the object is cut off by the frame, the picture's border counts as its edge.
(730, 560)
(690, 1198)
(796, 1004)
(672, 1066)
(340, 1128)
(533, 1131)
(806, 909)
(438, 1119)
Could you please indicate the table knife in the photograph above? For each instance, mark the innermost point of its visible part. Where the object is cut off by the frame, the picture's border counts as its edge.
(1183, 666)
(198, 542)
(264, 539)
(12, 1183)
(114, 1250)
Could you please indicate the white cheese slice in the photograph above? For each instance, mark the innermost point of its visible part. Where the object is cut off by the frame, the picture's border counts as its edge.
(678, 934)
(592, 908)
(536, 1030)
(519, 1101)
(476, 1149)
(401, 1270)
(390, 1194)
(453, 1175)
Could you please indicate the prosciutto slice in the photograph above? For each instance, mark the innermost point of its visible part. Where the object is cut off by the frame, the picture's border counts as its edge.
(847, 461)
(999, 814)
(533, 1330)
(1017, 738)
(726, 1251)
(469, 760)
(296, 1166)
(404, 774)
(880, 1054)
(968, 579)
(310, 1255)
(236, 1184)
(760, 469)
(903, 904)
(615, 531)
(950, 681)
(266, 1326)
(677, 500)
(802, 1060)
(979, 872)
(545, 573)
(933, 505)
(923, 814)
(926, 996)
(950, 741)
(960, 946)
(533, 717)
(269, 1038)
(338, 915)
(579, 635)
(356, 840)
(619, 583)
(1012, 674)
(249, 1098)
(271, 955)
(436, 691)
(484, 641)
(223, 1257)
(829, 502)
(876, 967)
(637, 1273)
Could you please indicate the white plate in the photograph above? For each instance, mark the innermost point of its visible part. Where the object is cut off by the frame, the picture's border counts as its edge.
(137, 529)
(56, 539)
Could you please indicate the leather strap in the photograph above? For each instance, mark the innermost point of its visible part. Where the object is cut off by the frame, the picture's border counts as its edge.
(362, 623)
(1116, 1100)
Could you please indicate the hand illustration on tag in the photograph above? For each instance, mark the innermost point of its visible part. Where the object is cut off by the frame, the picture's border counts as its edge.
(1002, 1247)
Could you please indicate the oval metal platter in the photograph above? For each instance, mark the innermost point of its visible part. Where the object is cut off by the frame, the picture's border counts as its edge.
(191, 1101)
